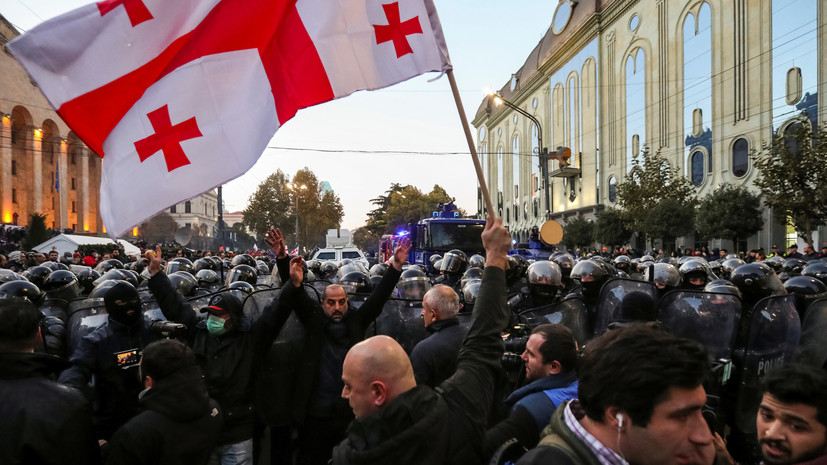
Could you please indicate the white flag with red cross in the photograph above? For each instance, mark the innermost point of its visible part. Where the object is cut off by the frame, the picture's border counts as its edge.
(179, 97)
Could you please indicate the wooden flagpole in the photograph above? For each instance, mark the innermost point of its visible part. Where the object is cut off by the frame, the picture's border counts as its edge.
(470, 139)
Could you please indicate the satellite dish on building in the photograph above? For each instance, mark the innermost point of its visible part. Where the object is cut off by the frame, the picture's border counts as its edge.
(183, 236)
(551, 232)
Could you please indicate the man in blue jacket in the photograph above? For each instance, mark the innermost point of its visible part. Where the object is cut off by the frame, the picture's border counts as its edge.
(550, 357)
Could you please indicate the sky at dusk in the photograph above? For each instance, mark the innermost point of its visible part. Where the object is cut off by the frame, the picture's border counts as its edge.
(409, 133)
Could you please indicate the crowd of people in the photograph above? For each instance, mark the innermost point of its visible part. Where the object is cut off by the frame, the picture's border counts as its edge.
(490, 359)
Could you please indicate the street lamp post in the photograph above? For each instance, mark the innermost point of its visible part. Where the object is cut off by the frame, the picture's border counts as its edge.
(543, 152)
(295, 188)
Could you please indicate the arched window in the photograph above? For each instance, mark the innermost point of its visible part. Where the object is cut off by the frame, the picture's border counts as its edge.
(187, 207)
(740, 158)
(535, 161)
(635, 104)
(697, 162)
(500, 171)
(612, 189)
(515, 168)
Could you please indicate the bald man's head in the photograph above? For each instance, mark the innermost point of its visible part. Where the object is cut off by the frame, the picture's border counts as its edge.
(375, 372)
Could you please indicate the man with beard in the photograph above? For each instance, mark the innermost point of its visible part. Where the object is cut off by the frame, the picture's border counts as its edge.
(331, 329)
(792, 416)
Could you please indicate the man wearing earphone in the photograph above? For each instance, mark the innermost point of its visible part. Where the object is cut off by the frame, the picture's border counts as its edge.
(639, 402)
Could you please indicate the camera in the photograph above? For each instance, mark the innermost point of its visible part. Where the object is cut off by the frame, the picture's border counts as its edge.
(516, 339)
(168, 329)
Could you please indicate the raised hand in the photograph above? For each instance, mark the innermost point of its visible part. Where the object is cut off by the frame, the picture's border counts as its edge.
(297, 271)
(154, 260)
(400, 254)
(275, 240)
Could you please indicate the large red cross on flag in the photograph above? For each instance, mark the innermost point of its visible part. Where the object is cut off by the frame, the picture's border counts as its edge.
(190, 93)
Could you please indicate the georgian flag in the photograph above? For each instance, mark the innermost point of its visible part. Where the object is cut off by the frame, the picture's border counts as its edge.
(179, 97)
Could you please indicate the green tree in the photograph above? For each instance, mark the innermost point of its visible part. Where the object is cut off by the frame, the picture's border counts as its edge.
(669, 219)
(792, 177)
(37, 231)
(578, 232)
(411, 205)
(269, 206)
(729, 212)
(365, 240)
(318, 210)
(377, 222)
(610, 228)
(649, 182)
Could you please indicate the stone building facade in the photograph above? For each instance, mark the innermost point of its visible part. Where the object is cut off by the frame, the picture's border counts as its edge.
(704, 82)
(44, 167)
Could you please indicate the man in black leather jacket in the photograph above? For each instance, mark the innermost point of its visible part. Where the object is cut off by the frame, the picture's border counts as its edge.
(398, 421)
(331, 330)
(42, 422)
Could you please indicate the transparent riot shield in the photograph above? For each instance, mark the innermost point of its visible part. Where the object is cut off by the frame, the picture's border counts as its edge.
(255, 303)
(55, 308)
(84, 316)
(611, 298)
(812, 349)
(571, 313)
(707, 317)
(400, 319)
(774, 333)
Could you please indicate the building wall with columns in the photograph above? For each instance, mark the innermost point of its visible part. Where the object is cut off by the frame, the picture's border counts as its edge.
(703, 82)
(44, 167)
(200, 213)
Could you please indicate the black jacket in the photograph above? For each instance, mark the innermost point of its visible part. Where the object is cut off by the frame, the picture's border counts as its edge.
(230, 362)
(180, 425)
(42, 422)
(116, 389)
(446, 425)
(434, 359)
(318, 327)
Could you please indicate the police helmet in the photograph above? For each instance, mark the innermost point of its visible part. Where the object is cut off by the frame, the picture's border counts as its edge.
(241, 273)
(454, 261)
(107, 265)
(476, 261)
(314, 265)
(722, 286)
(347, 269)
(37, 274)
(623, 263)
(816, 269)
(329, 269)
(61, 284)
(356, 282)
(183, 282)
(565, 261)
(470, 292)
(21, 289)
(261, 268)
(113, 274)
(514, 270)
(729, 265)
(776, 263)
(243, 259)
(178, 264)
(438, 265)
(133, 277)
(794, 266)
(695, 270)
(9, 275)
(207, 278)
(202, 264)
(241, 289)
(807, 290)
(433, 258)
(413, 284)
(469, 275)
(86, 279)
(544, 280)
(756, 281)
(591, 275)
(378, 270)
(664, 275)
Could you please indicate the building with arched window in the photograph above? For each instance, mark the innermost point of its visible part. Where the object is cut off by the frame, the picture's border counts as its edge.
(702, 82)
(44, 167)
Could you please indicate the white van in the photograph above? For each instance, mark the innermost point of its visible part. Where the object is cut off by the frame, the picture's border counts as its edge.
(337, 254)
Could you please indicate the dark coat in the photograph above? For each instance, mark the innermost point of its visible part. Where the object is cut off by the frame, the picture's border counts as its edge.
(434, 359)
(42, 422)
(230, 362)
(318, 333)
(560, 445)
(446, 425)
(116, 389)
(180, 425)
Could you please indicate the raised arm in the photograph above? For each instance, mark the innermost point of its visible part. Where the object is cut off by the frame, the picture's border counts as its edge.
(372, 307)
(172, 303)
(478, 365)
(275, 240)
(267, 327)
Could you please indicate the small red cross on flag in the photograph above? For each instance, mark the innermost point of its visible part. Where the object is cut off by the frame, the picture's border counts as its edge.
(214, 79)
(397, 31)
(167, 138)
(135, 9)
